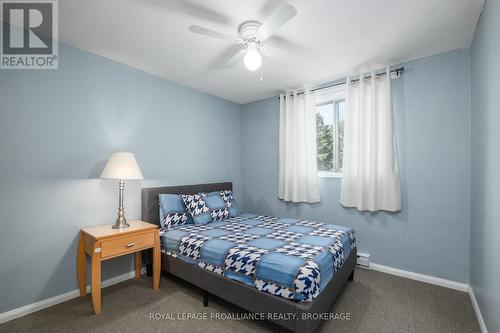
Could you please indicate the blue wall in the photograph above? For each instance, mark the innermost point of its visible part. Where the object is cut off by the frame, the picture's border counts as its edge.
(485, 221)
(431, 234)
(58, 128)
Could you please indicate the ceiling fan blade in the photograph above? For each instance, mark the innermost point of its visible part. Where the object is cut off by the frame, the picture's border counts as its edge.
(286, 45)
(281, 15)
(211, 33)
(277, 52)
(231, 57)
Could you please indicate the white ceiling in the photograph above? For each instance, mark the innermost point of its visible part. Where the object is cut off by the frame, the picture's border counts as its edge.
(332, 38)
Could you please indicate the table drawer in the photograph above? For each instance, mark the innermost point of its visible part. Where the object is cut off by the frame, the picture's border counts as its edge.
(126, 244)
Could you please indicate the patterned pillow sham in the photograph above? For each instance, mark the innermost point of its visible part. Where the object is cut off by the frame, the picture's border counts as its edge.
(173, 212)
(206, 208)
(228, 198)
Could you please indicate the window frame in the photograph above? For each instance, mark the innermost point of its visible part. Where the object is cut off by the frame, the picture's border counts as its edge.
(332, 95)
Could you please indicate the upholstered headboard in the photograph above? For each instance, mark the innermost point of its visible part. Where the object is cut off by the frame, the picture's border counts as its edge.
(150, 202)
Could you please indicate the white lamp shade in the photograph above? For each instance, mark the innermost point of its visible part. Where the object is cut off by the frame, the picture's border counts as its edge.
(122, 166)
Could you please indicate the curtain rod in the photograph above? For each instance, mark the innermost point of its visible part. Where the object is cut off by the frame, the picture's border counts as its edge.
(396, 71)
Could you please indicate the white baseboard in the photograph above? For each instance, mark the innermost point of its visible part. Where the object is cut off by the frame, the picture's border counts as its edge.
(37, 306)
(421, 277)
(477, 310)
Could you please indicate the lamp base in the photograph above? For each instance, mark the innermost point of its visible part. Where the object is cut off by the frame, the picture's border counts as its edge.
(121, 225)
(121, 221)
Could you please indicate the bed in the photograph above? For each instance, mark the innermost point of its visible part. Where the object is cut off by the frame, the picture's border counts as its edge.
(263, 264)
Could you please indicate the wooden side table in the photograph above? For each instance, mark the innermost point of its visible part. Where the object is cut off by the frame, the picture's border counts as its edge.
(102, 243)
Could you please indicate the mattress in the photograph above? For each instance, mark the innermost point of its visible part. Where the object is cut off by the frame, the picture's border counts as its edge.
(290, 258)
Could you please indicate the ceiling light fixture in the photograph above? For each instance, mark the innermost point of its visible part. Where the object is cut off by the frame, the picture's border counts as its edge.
(253, 59)
(253, 40)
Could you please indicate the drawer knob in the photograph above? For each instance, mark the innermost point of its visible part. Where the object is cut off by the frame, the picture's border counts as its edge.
(130, 244)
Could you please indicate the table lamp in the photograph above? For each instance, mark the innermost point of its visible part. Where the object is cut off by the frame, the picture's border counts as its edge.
(121, 166)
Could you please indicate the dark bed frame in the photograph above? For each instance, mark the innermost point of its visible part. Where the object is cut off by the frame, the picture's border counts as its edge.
(307, 315)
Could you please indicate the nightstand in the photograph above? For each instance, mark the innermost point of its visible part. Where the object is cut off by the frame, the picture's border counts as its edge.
(102, 243)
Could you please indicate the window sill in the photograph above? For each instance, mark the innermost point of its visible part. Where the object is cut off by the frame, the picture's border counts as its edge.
(329, 174)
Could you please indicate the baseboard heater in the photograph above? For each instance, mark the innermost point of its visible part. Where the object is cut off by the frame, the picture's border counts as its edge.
(363, 260)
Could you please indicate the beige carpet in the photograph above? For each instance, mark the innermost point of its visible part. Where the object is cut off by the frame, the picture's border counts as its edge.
(374, 302)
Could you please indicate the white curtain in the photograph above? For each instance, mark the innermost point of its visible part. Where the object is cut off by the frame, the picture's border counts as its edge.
(370, 175)
(298, 170)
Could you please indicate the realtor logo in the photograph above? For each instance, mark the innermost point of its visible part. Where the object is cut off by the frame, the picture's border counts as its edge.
(29, 34)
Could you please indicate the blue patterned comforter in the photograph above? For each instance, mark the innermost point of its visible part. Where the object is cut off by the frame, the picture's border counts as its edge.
(291, 258)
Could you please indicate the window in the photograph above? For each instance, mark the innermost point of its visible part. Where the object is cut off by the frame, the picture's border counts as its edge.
(330, 116)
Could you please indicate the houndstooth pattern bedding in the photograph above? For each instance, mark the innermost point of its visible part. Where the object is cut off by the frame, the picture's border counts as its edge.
(243, 258)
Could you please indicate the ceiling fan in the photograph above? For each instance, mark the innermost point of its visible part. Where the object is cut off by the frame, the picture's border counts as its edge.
(253, 39)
